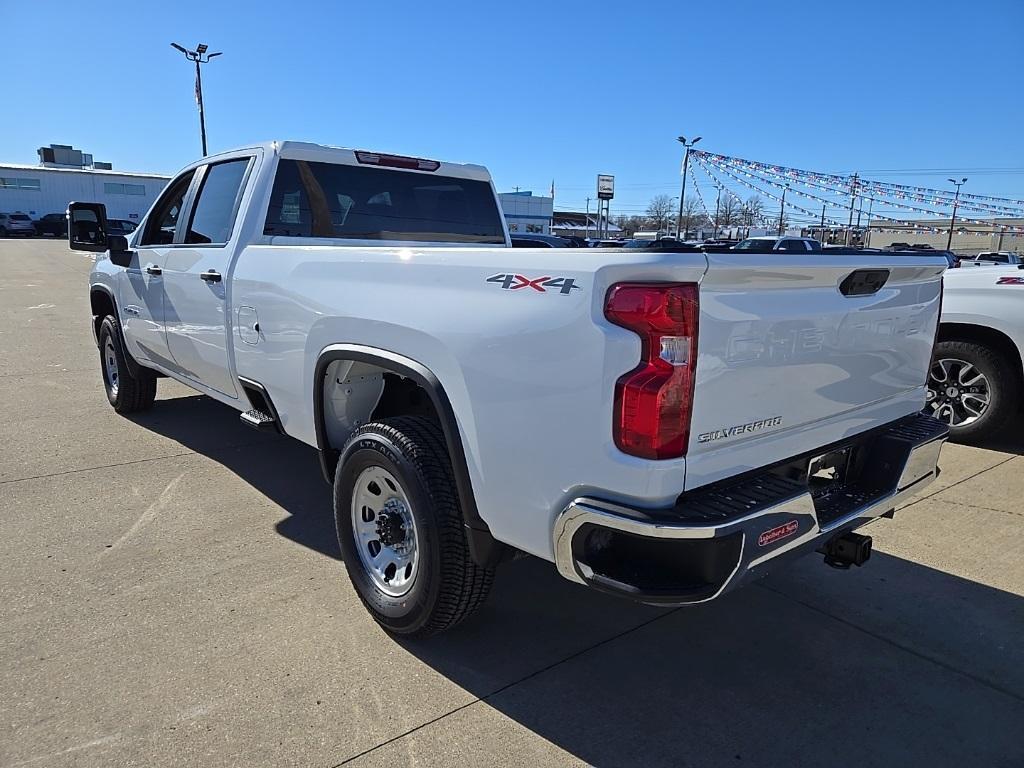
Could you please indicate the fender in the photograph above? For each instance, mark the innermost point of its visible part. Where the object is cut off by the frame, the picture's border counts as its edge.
(483, 547)
(133, 367)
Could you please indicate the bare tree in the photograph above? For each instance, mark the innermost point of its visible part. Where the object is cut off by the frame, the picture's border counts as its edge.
(728, 211)
(693, 215)
(661, 211)
(752, 211)
(630, 224)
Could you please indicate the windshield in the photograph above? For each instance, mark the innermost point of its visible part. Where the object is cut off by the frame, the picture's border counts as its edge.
(754, 244)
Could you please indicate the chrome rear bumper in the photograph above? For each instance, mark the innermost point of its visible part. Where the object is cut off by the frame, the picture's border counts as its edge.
(714, 539)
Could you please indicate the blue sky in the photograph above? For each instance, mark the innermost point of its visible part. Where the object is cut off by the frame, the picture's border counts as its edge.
(879, 86)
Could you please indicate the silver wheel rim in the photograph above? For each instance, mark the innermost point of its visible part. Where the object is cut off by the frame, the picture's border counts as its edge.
(385, 531)
(110, 365)
(958, 393)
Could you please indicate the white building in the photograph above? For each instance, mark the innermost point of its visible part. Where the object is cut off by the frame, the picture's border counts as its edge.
(526, 212)
(63, 176)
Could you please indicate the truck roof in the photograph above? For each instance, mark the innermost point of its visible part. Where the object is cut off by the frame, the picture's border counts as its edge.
(324, 153)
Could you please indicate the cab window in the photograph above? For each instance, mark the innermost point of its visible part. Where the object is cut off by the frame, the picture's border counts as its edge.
(217, 203)
(163, 220)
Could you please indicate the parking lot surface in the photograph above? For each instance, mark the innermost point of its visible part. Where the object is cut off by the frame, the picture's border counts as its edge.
(171, 594)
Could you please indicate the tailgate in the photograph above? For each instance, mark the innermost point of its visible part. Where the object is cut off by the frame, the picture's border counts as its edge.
(787, 363)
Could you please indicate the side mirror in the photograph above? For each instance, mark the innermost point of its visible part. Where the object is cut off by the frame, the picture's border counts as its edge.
(119, 253)
(87, 227)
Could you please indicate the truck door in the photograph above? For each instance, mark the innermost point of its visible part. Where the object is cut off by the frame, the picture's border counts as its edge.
(196, 280)
(141, 286)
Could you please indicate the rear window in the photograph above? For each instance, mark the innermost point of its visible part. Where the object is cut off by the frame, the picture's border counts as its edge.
(362, 203)
(19, 217)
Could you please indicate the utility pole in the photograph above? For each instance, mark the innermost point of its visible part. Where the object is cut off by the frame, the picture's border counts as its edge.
(587, 230)
(823, 225)
(867, 229)
(682, 192)
(782, 209)
(1001, 230)
(956, 203)
(199, 56)
(853, 198)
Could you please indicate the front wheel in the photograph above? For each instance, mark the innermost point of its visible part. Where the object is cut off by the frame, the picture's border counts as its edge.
(400, 528)
(126, 392)
(973, 388)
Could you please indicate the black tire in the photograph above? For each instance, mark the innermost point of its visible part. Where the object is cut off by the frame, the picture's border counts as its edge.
(1003, 383)
(128, 393)
(449, 585)
(3, 231)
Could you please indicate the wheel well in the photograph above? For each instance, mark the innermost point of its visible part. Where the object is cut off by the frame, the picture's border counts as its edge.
(355, 393)
(102, 305)
(356, 384)
(989, 337)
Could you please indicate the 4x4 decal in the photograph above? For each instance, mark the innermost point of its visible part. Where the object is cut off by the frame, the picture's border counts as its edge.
(512, 282)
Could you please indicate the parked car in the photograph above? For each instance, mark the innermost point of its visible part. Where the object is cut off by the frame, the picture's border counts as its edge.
(951, 258)
(120, 226)
(976, 383)
(574, 241)
(532, 240)
(661, 244)
(665, 426)
(12, 224)
(606, 243)
(989, 258)
(785, 243)
(55, 224)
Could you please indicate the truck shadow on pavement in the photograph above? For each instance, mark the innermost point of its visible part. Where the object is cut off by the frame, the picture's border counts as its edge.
(284, 470)
(896, 663)
(893, 663)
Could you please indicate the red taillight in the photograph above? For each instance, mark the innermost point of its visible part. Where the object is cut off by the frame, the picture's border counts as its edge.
(654, 401)
(397, 161)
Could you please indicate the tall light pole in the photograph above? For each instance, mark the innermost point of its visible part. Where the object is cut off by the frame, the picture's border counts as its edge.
(956, 202)
(718, 201)
(682, 192)
(199, 56)
(782, 210)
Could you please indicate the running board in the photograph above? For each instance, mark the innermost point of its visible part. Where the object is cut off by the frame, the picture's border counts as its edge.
(259, 420)
(262, 415)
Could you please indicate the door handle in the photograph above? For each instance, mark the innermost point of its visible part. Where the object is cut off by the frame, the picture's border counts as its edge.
(153, 269)
(210, 276)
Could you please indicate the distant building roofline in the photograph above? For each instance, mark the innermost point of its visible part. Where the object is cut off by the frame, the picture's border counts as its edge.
(63, 169)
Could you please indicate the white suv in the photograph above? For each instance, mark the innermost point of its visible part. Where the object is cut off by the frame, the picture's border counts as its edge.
(16, 224)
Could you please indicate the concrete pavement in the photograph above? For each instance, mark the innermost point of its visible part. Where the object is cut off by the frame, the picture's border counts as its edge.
(171, 595)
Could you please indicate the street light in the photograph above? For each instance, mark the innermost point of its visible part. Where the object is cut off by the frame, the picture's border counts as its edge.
(718, 201)
(682, 192)
(199, 56)
(782, 210)
(956, 202)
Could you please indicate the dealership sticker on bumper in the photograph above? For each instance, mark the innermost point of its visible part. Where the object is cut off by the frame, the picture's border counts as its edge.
(778, 532)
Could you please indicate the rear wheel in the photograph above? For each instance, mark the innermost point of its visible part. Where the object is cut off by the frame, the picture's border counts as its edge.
(126, 392)
(400, 528)
(971, 387)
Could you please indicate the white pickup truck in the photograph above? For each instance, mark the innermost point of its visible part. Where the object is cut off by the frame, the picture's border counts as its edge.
(659, 425)
(976, 378)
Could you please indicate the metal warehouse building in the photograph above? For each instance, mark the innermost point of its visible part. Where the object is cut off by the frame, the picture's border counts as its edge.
(48, 187)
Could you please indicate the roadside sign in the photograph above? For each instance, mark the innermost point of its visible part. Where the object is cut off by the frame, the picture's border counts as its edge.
(605, 187)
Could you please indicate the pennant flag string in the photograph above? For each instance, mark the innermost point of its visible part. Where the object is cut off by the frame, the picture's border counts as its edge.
(847, 192)
(927, 194)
